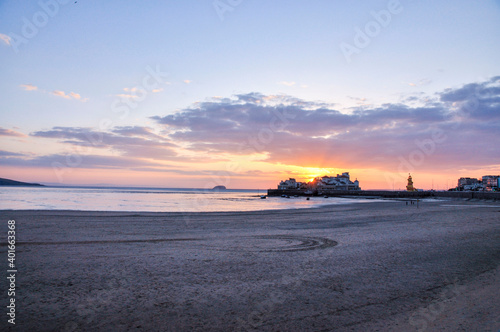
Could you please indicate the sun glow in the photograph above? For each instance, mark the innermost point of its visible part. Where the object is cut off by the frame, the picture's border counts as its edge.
(313, 172)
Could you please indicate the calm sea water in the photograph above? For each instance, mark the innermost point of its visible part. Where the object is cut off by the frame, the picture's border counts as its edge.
(151, 199)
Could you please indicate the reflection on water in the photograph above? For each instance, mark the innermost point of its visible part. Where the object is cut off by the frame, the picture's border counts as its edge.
(151, 199)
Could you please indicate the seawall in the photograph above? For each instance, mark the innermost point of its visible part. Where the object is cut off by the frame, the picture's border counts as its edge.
(391, 194)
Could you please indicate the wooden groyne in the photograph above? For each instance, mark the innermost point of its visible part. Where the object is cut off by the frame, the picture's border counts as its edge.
(390, 194)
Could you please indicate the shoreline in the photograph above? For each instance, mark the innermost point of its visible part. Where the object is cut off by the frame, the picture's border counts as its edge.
(318, 205)
(377, 265)
(325, 205)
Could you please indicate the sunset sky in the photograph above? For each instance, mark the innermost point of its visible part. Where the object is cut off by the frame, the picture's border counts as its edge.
(246, 93)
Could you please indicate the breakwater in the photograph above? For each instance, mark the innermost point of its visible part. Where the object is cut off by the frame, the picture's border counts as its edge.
(390, 193)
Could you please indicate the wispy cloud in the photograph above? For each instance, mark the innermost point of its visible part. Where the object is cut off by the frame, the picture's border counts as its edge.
(134, 93)
(287, 83)
(61, 94)
(5, 39)
(126, 96)
(360, 101)
(75, 95)
(71, 95)
(28, 87)
(187, 81)
(57, 93)
(10, 154)
(129, 141)
(88, 161)
(422, 82)
(138, 148)
(8, 132)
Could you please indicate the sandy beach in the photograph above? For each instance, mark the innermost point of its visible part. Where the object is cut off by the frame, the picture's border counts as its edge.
(383, 266)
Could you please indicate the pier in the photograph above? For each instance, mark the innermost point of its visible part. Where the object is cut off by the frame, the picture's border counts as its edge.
(389, 193)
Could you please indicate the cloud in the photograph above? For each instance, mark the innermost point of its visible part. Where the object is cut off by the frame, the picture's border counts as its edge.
(187, 81)
(135, 131)
(360, 101)
(136, 141)
(128, 141)
(71, 95)
(133, 93)
(126, 96)
(187, 171)
(216, 120)
(10, 154)
(92, 161)
(157, 90)
(79, 161)
(75, 95)
(286, 83)
(57, 93)
(61, 94)
(29, 87)
(5, 39)
(13, 133)
(422, 82)
(471, 91)
(286, 130)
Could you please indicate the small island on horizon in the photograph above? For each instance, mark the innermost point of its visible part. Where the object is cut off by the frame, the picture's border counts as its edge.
(219, 188)
(13, 183)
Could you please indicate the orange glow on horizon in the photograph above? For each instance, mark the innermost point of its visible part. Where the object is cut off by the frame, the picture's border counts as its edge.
(268, 177)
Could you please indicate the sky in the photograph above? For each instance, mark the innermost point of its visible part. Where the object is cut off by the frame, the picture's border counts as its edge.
(247, 93)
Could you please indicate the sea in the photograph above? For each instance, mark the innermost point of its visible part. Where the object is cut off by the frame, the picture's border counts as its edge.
(153, 199)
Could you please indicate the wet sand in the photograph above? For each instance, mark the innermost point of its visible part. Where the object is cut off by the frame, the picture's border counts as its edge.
(375, 266)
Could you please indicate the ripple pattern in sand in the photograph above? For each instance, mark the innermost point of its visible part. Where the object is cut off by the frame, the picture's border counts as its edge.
(255, 243)
(271, 243)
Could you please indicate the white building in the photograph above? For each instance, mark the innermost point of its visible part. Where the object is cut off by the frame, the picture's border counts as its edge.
(467, 182)
(490, 182)
(324, 183)
(289, 184)
(339, 182)
(486, 183)
(473, 187)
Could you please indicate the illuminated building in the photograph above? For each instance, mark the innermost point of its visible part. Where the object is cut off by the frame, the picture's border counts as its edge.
(409, 186)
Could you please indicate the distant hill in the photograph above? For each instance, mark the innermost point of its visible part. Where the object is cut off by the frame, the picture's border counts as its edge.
(7, 182)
